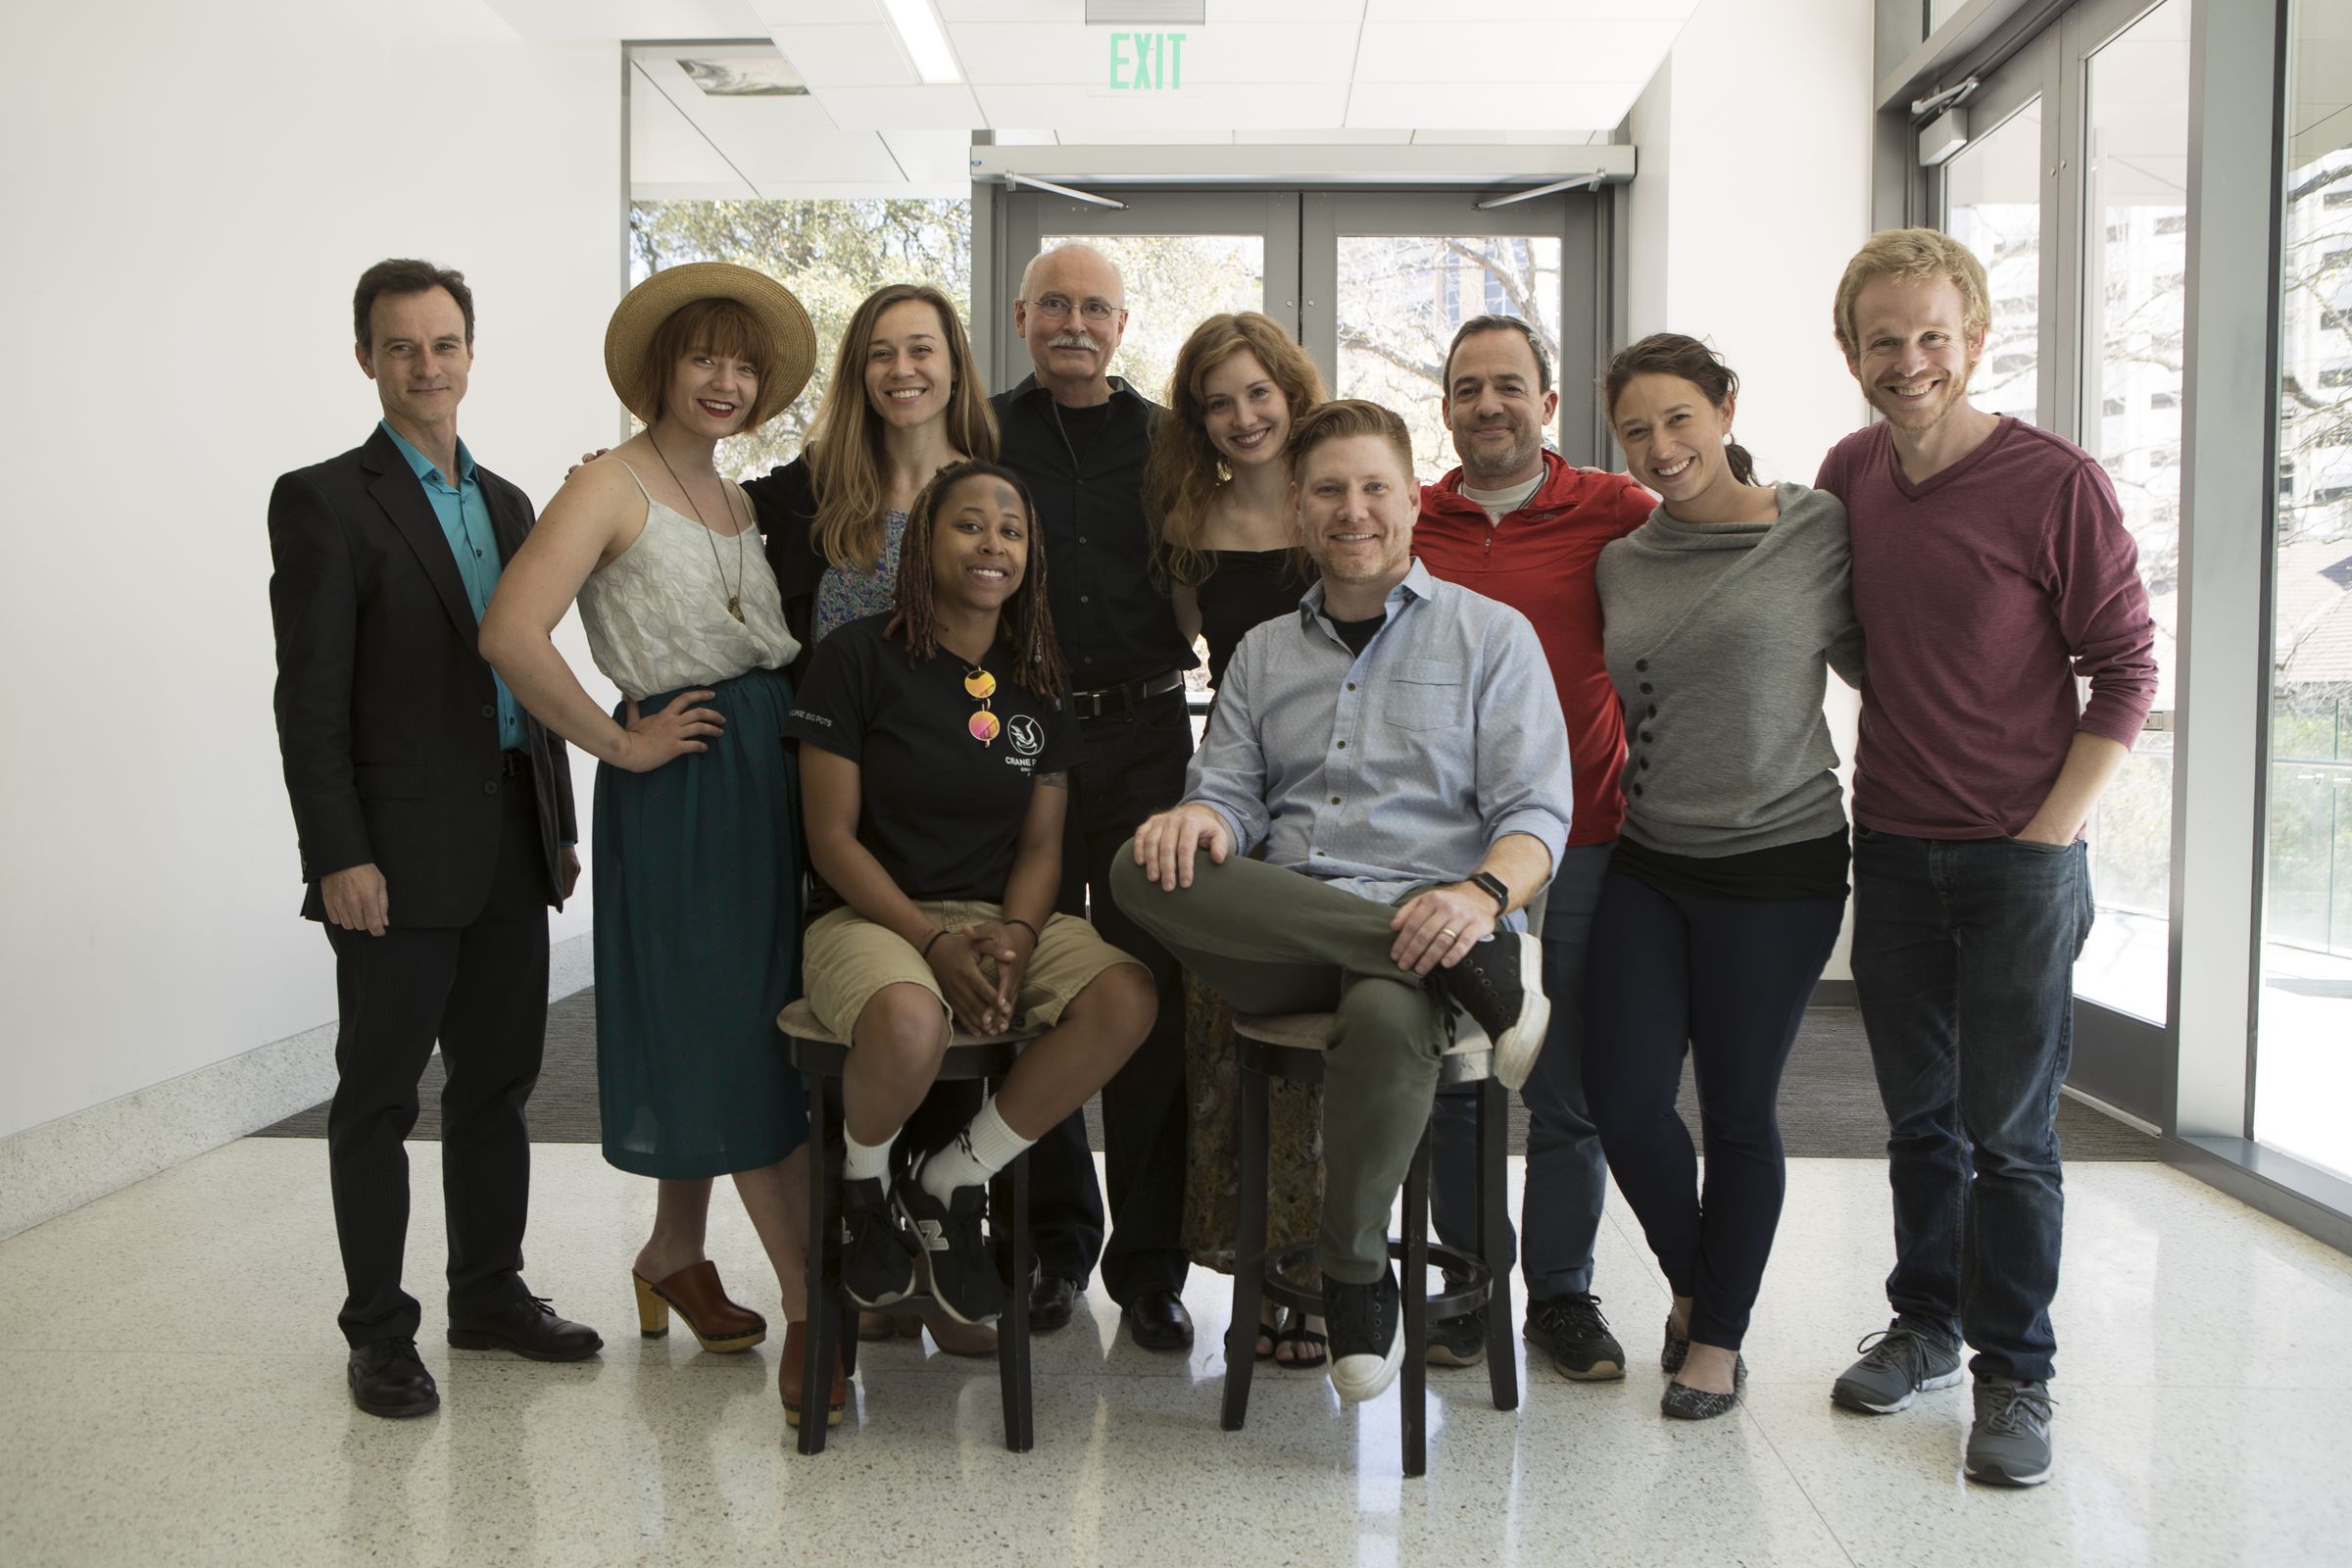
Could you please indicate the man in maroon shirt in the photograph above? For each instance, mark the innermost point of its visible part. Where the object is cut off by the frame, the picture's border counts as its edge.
(1523, 525)
(1991, 570)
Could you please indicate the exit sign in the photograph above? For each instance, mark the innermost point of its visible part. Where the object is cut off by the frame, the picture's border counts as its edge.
(1146, 62)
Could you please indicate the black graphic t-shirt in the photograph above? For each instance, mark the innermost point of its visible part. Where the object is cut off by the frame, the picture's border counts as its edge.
(942, 806)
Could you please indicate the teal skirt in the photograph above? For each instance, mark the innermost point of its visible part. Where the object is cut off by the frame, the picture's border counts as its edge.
(698, 946)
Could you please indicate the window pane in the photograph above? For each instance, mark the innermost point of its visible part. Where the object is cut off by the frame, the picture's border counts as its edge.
(2134, 254)
(1993, 205)
(1401, 299)
(2303, 1062)
(1173, 281)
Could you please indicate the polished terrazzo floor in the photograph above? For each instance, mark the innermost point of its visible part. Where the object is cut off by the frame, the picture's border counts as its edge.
(170, 1386)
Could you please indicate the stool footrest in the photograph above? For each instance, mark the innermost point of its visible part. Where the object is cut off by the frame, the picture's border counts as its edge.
(1475, 1288)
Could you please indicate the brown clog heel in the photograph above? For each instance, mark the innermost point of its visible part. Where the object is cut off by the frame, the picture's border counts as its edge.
(723, 1326)
(789, 1378)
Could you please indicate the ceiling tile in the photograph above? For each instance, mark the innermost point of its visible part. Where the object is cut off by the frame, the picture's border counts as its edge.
(604, 21)
(1071, 12)
(821, 13)
(932, 156)
(858, 56)
(896, 109)
(1553, 51)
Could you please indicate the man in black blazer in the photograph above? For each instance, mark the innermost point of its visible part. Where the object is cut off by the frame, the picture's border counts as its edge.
(436, 819)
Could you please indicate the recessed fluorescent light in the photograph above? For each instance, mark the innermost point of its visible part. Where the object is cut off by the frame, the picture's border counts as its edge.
(925, 39)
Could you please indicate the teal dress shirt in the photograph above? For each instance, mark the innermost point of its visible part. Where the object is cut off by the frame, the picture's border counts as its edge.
(465, 519)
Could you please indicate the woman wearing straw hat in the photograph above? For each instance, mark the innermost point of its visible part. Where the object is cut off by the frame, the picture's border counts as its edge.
(697, 869)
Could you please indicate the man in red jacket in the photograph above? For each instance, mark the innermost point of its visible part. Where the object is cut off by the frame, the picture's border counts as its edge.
(1523, 525)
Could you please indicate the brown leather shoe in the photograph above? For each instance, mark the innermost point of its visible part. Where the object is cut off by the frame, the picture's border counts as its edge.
(960, 1338)
(789, 1378)
(721, 1325)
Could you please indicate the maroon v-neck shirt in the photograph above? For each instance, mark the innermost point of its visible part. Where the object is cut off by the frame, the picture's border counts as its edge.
(1984, 593)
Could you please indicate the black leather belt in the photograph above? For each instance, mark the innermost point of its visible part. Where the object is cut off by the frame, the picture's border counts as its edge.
(513, 765)
(1117, 698)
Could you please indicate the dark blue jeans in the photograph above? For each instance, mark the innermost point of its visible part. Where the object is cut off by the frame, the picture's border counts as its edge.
(1727, 980)
(1964, 953)
(1567, 1179)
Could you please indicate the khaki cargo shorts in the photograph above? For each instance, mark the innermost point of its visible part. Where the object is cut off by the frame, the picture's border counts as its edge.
(847, 958)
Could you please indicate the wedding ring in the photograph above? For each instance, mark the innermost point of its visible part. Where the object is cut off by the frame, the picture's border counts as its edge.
(1445, 931)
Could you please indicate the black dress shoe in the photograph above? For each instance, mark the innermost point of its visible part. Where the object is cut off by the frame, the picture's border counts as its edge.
(1050, 1300)
(388, 1378)
(529, 1327)
(1159, 1321)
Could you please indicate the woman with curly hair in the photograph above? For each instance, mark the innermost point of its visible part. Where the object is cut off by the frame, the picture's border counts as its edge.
(935, 752)
(1218, 493)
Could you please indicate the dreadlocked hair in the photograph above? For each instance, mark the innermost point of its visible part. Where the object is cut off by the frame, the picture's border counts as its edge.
(1026, 623)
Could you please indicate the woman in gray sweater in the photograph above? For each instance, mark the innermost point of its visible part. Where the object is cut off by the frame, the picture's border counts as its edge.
(1721, 615)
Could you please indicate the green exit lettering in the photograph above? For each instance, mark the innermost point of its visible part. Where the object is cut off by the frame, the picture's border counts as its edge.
(1146, 62)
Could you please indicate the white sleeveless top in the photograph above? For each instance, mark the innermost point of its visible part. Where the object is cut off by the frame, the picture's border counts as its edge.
(657, 613)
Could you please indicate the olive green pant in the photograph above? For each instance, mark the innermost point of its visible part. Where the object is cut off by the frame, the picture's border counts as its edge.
(1268, 940)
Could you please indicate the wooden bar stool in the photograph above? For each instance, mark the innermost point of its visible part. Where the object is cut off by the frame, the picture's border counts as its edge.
(1292, 1046)
(821, 1056)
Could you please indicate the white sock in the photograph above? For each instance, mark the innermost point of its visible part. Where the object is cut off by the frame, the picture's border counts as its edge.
(865, 1162)
(979, 1152)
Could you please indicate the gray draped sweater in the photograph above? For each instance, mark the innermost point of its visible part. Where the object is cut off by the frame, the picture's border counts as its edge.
(1718, 638)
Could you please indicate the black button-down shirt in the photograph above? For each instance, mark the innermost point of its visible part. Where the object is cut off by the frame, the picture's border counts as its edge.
(1113, 623)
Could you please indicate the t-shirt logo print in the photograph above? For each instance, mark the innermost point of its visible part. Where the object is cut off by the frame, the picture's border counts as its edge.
(1028, 736)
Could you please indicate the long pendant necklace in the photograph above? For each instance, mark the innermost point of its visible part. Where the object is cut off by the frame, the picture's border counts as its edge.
(734, 598)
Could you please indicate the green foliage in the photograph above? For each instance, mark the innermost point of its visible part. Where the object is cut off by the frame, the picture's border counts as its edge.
(830, 253)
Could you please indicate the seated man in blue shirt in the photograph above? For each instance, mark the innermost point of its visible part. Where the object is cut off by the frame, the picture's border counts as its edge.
(1397, 748)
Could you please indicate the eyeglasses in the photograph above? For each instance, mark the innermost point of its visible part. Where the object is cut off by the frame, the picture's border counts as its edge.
(982, 686)
(1053, 307)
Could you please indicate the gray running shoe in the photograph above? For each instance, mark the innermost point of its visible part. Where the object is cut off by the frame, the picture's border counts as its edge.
(1898, 1363)
(2010, 1443)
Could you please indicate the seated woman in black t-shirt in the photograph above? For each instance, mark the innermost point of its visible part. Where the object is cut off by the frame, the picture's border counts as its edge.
(934, 770)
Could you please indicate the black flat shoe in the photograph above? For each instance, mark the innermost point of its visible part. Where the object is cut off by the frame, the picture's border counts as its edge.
(529, 1327)
(388, 1378)
(1050, 1300)
(1158, 1320)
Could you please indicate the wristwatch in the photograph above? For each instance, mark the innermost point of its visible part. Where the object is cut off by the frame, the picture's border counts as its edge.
(1491, 885)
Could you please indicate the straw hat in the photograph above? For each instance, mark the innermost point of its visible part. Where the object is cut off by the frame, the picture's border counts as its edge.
(641, 312)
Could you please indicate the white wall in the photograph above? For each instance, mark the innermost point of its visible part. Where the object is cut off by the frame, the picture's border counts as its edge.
(191, 199)
(1754, 190)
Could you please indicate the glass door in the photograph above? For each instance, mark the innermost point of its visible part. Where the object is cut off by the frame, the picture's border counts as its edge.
(2303, 1058)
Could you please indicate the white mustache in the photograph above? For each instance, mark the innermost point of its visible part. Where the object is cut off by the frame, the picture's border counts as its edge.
(1071, 340)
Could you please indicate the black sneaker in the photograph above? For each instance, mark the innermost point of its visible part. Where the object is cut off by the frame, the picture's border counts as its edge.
(877, 1261)
(1499, 986)
(1459, 1341)
(1572, 1332)
(1365, 1323)
(964, 1271)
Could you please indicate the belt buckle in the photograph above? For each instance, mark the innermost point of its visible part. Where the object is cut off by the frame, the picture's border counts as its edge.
(512, 765)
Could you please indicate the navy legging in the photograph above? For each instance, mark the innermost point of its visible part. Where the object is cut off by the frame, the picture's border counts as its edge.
(1730, 978)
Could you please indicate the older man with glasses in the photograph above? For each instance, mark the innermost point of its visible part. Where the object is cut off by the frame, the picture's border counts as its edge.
(1080, 437)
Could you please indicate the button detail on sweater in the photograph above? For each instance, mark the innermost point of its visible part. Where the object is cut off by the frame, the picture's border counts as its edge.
(1646, 692)
(1640, 663)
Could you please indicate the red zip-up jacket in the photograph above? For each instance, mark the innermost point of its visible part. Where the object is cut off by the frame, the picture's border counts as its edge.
(1539, 560)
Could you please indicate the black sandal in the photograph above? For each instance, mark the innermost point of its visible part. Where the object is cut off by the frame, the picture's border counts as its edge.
(1296, 1334)
(1269, 1335)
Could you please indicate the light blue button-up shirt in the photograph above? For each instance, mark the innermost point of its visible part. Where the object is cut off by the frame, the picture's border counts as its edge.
(1396, 767)
(464, 518)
